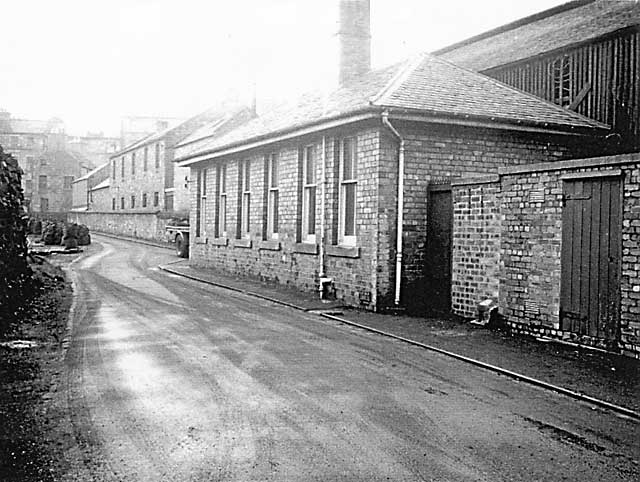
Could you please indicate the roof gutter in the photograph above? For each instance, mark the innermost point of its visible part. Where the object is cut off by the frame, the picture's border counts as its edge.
(400, 207)
(241, 146)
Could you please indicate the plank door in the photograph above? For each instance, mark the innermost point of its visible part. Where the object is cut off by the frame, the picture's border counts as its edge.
(438, 249)
(591, 254)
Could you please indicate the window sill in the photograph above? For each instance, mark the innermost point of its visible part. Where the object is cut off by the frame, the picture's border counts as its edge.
(242, 243)
(200, 240)
(306, 248)
(343, 251)
(219, 241)
(270, 245)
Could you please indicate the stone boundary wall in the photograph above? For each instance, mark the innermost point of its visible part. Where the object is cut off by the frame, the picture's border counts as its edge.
(528, 220)
(143, 225)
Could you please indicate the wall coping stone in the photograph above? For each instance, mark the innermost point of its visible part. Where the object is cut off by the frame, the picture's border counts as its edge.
(200, 240)
(488, 179)
(591, 174)
(572, 164)
(125, 212)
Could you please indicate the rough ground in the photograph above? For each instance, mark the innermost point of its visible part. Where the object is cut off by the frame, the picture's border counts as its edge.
(30, 446)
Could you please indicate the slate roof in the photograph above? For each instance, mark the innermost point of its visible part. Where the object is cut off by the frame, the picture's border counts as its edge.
(425, 85)
(557, 28)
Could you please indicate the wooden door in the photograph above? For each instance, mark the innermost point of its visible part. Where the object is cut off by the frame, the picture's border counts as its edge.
(591, 255)
(438, 249)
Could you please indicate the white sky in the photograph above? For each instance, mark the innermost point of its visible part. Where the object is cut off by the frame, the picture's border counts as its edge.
(90, 62)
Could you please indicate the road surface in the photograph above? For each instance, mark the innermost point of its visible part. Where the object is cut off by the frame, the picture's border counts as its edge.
(171, 379)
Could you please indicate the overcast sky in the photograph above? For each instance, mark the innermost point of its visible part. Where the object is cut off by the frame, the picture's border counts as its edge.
(91, 62)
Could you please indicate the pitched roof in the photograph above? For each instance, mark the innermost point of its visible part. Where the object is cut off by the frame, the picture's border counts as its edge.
(425, 85)
(557, 28)
(214, 113)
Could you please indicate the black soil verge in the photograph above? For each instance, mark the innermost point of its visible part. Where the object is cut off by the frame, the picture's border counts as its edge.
(29, 450)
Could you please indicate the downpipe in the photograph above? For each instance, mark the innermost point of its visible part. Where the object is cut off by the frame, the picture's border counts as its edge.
(324, 283)
(400, 207)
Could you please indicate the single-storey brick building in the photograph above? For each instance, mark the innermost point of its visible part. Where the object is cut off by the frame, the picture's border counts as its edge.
(349, 190)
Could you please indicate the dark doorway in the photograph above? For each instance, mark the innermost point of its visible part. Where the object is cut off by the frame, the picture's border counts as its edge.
(438, 250)
(591, 253)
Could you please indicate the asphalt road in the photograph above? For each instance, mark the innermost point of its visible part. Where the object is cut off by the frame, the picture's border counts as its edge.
(170, 379)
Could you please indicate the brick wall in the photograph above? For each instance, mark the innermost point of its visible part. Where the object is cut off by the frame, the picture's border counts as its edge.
(531, 224)
(439, 154)
(476, 243)
(289, 261)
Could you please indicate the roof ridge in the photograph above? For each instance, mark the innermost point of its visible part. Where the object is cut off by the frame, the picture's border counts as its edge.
(398, 79)
(522, 92)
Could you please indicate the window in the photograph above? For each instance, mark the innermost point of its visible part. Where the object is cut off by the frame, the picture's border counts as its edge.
(122, 169)
(122, 202)
(113, 204)
(144, 200)
(28, 185)
(113, 169)
(44, 204)
(272, 196)
(348, 186)
(158, 155)
(244, 195)
(201, 202)
(156, 198)
(66, 182)
(168, 201)
(561, 72)
(133, 163)
(221, 218)
(43, 162)
(133, 201)
(309, 194)
(42, 183)
(145, 158)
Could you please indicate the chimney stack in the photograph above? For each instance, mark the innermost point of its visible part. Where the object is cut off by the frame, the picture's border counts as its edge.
(354, 39)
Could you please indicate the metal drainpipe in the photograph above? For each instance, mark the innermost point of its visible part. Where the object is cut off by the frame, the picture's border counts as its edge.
(322, 205)
(400, 208)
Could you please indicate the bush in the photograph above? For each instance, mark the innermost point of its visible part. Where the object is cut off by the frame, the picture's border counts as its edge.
(15, 275)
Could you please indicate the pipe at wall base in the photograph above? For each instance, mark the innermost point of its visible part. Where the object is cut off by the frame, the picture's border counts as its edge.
(400, 207)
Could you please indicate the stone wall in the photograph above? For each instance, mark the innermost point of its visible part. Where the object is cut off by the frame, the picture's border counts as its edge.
(142, 225)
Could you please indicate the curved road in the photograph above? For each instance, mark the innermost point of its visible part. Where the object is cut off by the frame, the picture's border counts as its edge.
(171, 379)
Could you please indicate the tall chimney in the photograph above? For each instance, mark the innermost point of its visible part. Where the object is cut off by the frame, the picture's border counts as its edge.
(354, 39)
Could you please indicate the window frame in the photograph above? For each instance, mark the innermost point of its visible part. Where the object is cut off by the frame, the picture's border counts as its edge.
(221, 202)
(273, 196)
(343, 184)
(244, 190)
(133, 164)
(157, 154)
(309, 191)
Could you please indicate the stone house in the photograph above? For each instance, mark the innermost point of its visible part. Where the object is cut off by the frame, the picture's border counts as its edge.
(83, 186)
(145, 187)
(344, 191)
(40, 146)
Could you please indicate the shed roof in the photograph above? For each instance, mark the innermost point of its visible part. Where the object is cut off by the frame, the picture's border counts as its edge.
(557, 28)
(425, 85)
